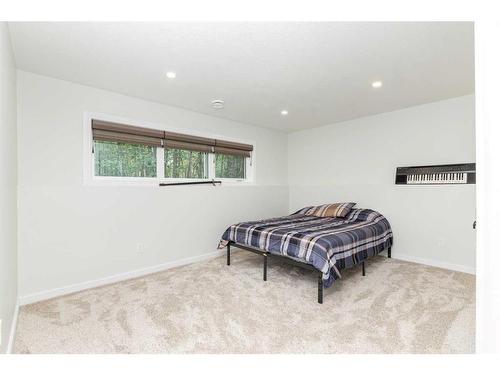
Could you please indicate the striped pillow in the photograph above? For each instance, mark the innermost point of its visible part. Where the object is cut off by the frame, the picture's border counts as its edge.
(331, 210)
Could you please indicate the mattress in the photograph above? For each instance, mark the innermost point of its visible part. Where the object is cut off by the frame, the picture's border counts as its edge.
(329, 244)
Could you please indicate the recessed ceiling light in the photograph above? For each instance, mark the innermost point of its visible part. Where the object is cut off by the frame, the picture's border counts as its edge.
(218, 104)
(284, 112)
(171, 75)
(376, 84)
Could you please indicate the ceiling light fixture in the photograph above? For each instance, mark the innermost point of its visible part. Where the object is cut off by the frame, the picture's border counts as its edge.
(284, 112)
(376, 84)
(171, 75)
(217, 104)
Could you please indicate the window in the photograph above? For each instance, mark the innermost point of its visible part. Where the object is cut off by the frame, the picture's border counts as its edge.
(185, 164)
(121, 151)
(124, 159)
(230, 166)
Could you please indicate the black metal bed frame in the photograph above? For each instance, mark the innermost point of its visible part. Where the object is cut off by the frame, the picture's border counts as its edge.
(285, 259)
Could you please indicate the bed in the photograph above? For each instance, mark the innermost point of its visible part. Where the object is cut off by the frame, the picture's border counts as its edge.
(325, 245)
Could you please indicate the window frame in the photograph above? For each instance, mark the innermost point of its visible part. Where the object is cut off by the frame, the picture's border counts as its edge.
(89, 177)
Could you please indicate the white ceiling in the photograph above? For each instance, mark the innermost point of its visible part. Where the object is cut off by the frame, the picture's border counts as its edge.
(320, 72)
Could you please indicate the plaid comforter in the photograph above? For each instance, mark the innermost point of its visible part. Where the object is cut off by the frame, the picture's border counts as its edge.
(329, 244)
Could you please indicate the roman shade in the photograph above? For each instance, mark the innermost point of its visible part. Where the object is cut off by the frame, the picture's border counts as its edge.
(113, 132)
(188, 142)
(187, 146)
(232, 148)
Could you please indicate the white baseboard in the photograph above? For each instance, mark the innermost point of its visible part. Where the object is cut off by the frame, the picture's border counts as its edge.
(434, 263)
(48, 294)
(13, 327)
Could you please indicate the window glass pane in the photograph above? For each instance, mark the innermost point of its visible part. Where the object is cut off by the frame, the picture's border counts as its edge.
(124, 159)
(230, 166)
(185, 164)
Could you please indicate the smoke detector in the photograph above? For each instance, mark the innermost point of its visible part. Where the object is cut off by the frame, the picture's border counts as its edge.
(217, 104)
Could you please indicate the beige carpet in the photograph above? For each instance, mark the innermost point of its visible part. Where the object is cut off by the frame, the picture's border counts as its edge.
(207, 307)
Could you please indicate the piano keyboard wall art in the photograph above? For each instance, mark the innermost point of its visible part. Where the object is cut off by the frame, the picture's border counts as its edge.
(437, 174)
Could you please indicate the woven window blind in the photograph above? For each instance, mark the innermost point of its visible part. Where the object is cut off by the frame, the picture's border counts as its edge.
(113, 132)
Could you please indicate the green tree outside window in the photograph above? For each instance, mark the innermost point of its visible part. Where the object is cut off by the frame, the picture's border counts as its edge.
(230, 166)
(124, 159)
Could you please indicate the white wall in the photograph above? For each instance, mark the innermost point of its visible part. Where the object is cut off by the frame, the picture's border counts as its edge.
(70, 233)
(356, 161)
(8, 187)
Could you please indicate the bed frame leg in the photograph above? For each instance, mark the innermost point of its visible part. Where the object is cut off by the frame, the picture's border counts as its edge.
(265, 267)
(320, 288)
(363, 267)
(228, 254)
(389, 252)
